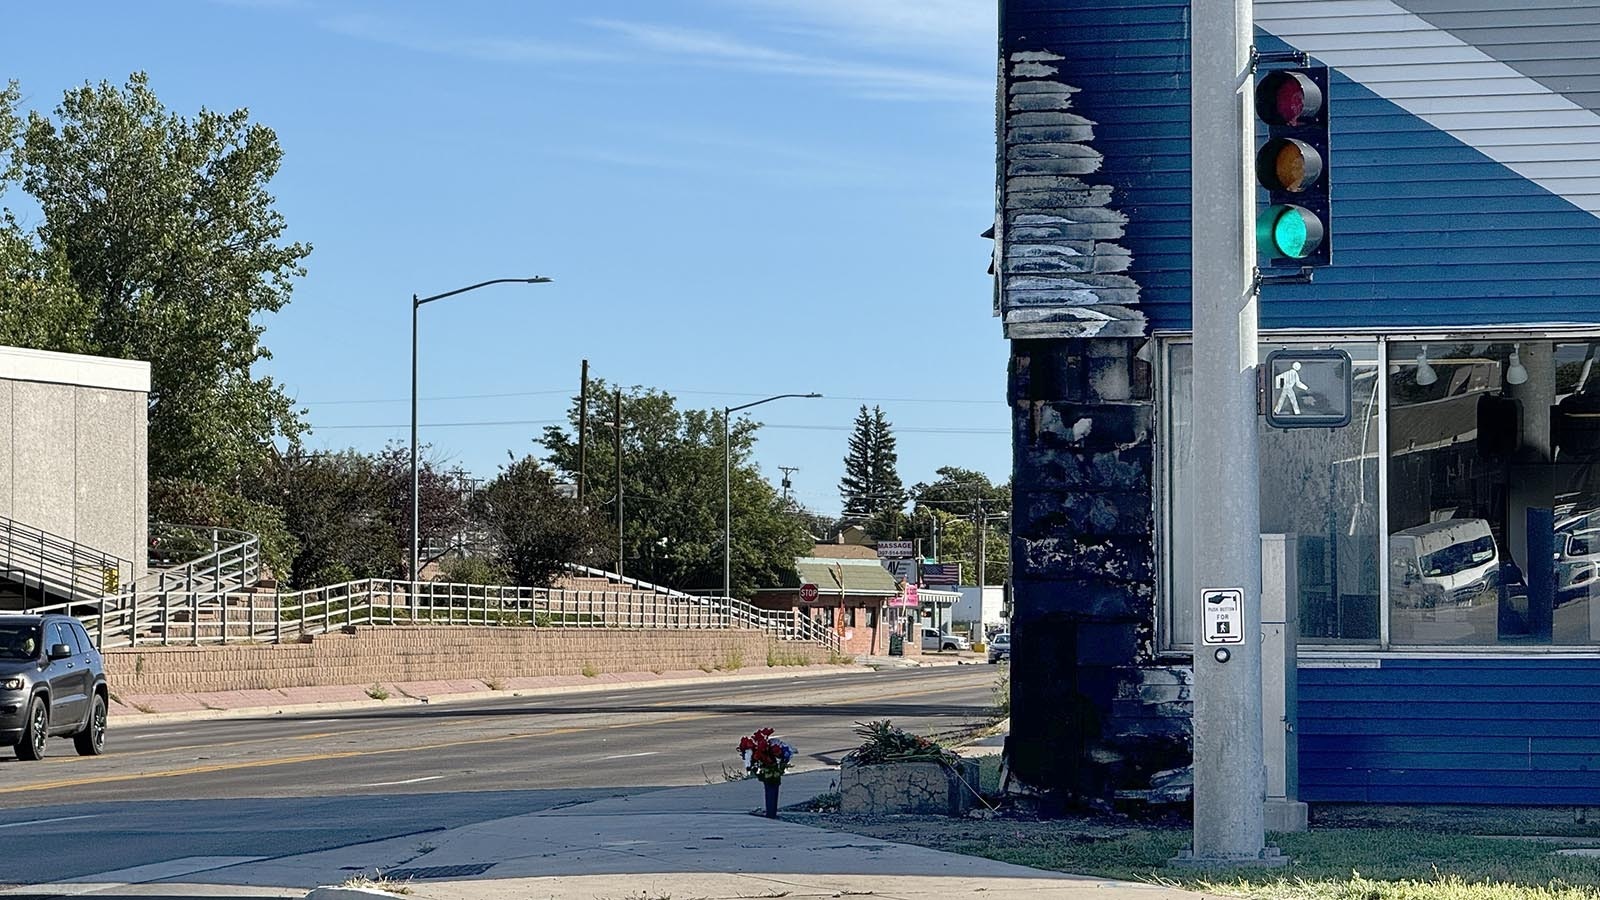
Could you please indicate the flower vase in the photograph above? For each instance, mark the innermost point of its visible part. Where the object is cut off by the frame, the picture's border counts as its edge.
(772, 798)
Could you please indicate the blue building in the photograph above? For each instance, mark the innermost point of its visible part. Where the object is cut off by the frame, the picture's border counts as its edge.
(1448, 539)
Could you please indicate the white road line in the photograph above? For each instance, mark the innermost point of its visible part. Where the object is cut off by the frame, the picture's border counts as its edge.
(407, 781)
(146, 735)
(629, 755)
(48, 821)
(120, 878)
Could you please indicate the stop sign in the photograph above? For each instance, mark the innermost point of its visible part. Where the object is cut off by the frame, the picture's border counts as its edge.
(808, 592)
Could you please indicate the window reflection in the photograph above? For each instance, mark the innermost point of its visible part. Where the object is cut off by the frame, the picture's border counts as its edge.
(1493, 512)
(1318, 484)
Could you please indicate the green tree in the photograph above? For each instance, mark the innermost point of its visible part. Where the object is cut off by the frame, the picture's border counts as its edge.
(948, 508)
(157, 240)
(672, 487)
(871, 488)
(536, 528)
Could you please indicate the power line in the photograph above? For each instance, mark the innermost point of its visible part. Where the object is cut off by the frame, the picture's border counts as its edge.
(315, 428)
(953, 430)
(544, 393)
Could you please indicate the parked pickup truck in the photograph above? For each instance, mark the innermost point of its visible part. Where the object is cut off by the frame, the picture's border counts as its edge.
(934, 639)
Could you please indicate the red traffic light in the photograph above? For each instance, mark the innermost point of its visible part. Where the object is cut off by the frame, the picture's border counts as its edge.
(1287, 98)
(1285, 164)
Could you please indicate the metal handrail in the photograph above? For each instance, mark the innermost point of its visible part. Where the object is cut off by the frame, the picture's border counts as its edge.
(54, 565)
(205, 616)
(201, 557)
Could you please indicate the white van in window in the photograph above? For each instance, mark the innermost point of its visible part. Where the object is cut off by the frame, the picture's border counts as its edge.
(1444, 564)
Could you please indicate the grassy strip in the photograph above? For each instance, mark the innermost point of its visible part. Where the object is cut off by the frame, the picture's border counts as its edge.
(1342, 864)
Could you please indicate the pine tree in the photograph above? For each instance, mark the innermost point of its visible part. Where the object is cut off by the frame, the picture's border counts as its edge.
(855, 488)
(871, 487)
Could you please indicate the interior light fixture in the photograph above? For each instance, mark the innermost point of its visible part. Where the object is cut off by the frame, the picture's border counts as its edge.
(1425, 373)
(1516, 373)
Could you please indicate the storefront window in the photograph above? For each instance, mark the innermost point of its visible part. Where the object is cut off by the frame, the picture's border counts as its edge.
(1494, 493)
(1318, 484)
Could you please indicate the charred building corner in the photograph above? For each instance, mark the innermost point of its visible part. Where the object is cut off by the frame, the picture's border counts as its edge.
(1095, 713)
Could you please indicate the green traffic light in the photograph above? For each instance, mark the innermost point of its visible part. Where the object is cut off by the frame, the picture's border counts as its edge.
(1288, 232)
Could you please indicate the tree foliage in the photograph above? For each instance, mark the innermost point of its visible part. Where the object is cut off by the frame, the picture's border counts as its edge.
(948, 506)
(535, 527)
(672, 487)
(871, 489)
(157, 240)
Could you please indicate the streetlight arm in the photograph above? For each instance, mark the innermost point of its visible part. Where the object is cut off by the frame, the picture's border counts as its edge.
(729, 410)
(537, 279)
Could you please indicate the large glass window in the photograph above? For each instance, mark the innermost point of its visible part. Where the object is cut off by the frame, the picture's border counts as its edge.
(1494, 493)
(1319, 485)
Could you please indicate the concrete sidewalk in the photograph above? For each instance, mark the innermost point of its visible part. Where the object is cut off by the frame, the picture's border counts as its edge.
(698, 842)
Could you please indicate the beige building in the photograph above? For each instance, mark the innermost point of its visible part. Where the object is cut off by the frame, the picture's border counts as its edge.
(73, 466)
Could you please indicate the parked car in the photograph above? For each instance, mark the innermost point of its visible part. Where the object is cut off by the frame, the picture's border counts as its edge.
(934, 639)
(999, 647)
(52, 682)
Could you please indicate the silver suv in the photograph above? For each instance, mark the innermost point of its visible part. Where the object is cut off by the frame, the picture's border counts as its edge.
(52, 682)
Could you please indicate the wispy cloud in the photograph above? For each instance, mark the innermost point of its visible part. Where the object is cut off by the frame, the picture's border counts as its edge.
(905, 24)
(387, 30)
(865, 79)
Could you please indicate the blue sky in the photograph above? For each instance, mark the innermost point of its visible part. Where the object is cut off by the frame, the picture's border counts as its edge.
(735, 197)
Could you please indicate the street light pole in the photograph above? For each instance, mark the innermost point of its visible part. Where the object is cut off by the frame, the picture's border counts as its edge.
(727, 486)
(416, 506)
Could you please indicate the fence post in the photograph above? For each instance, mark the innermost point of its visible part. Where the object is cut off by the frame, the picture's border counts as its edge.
(194, 617)
(133, 619)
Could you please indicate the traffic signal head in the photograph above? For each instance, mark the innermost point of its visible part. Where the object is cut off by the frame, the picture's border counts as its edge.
(1293, 167)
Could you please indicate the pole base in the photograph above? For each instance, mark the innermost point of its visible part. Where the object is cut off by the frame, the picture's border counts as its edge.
(1270, 858)
(1287, 815)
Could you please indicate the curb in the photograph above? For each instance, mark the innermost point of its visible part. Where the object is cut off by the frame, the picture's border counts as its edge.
(134, 717)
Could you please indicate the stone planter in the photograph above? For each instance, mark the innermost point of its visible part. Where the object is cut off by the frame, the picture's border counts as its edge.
(915, 788)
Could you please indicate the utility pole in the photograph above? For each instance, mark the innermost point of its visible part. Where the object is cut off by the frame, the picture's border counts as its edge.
(787, 471)
(583, 427)
(981, 522)
(1229, 775)
(618, 482)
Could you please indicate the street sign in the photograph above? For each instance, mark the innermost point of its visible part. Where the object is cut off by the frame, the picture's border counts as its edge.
(808, 592)
(1308, 388)
(1224, 616)
(894, 549)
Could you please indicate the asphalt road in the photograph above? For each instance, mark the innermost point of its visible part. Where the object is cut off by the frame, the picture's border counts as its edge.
(291, 784)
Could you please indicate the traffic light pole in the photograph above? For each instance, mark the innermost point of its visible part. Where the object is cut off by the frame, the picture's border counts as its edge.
(1229, 774)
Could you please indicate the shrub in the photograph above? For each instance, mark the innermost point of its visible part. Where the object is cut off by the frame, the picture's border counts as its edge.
(882, 742)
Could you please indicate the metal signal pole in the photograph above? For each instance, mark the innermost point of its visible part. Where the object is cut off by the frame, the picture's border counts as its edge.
(1229, 775)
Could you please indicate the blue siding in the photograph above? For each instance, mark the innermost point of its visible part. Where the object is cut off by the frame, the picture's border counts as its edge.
(1130, 58)
(1430, 232)
(1508, 731)
(1427, 230)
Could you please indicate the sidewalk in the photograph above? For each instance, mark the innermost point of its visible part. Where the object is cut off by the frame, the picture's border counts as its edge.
(128, 709)
(699, 842)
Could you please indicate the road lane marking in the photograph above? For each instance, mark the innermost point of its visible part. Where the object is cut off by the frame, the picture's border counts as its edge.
(48, 821)
(351, 754)
(407, 781)
(630, 755)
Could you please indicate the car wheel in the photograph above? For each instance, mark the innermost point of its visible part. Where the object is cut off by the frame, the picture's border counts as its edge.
(35, 732)
(949, 646)
(91, 741)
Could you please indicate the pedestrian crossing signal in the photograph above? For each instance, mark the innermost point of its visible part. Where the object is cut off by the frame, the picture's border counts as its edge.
(1308, 388)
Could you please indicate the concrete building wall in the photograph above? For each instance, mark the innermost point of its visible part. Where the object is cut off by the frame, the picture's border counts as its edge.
(73, 448)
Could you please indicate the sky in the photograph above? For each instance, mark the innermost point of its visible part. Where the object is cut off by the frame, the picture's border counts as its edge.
(735, 198)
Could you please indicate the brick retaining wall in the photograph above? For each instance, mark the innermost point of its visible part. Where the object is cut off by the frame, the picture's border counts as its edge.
(399, 653)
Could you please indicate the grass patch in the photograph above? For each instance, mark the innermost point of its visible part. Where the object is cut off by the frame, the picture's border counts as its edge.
(777, 656)
(835, 658)
(494, 684)
(379, 883)
(1002, 692)
(589, 671)
(827, 802)
(732, 659)
(1326, 864)
(378, 692)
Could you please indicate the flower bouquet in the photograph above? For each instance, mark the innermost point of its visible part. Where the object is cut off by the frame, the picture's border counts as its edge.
(767, 758)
